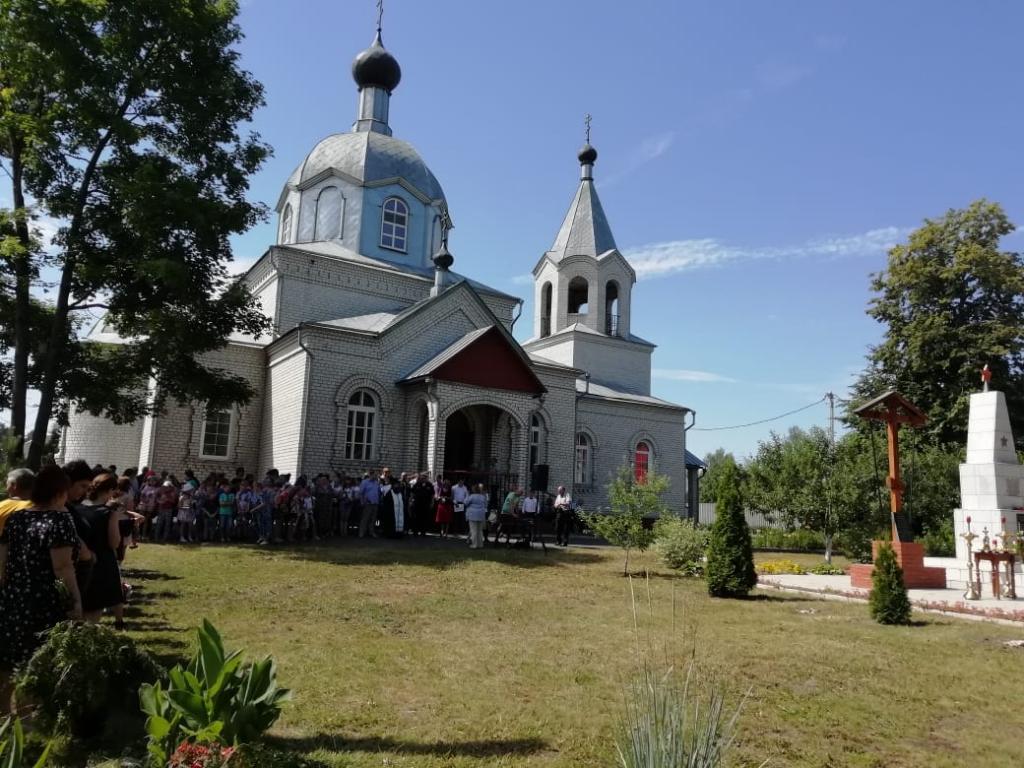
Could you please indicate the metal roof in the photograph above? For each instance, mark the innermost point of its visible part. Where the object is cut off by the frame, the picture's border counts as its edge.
(585, 229)
(446, 354)
(601, 391)
(695, 461)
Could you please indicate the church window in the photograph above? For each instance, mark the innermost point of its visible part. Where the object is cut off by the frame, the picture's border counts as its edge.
(581, 475)
(534, 440)
(328, 214)
(578, 295)
(611, 308)
(216, 434)
(361, 426)
(394, 225)
(286, 225)
(642, 461)
(545, 310)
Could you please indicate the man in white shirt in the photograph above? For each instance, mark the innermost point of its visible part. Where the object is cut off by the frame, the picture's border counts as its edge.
(530, 504)
(459, 495)
(563, 516)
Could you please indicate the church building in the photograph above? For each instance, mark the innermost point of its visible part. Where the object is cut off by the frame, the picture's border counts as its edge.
(380, 354)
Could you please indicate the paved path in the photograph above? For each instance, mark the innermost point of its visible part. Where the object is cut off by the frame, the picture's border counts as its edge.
(948, 601)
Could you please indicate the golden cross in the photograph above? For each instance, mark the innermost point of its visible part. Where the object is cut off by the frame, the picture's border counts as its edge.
(586, 122)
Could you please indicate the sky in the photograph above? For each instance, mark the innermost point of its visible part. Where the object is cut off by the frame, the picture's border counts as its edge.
(756, 159)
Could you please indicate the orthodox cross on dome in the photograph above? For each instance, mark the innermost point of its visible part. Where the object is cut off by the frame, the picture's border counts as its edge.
(986, 377)
(380, 14)
(586, 124)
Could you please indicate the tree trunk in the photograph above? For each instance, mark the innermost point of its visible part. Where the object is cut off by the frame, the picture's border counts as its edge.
(828, 548)
(22, 302)
(625, 565)
(54, 352)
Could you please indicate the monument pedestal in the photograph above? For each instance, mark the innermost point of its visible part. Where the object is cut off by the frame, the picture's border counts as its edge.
(910, 556)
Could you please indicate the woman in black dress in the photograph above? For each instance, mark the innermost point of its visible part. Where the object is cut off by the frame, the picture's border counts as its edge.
(99, 527)
(38, 588)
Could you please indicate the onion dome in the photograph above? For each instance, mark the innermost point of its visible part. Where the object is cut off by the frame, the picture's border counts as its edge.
(587, 154)
(443, 259)
(376, 68)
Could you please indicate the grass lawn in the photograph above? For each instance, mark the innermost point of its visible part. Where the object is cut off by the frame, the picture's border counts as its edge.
(427, 654)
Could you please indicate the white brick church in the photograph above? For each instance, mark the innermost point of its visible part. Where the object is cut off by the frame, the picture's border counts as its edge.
(380, 355)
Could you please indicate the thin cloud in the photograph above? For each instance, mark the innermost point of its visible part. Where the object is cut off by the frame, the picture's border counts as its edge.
(686, 255)
(649, 149)
(524, 279)
(684, 374)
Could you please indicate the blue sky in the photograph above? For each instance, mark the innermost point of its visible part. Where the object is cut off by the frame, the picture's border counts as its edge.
(756, 158)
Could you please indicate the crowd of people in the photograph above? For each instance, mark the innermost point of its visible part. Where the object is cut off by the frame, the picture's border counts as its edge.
(66, 531)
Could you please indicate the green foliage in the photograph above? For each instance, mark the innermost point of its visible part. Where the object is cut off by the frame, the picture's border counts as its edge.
(215, 699)
(668, 723)
(84, 679)
(680, 544)
(631, 503)
(889, 603)
(800, 540)
(949, 301)
(780, 566)
(730, 559)
(108, 129)
(263, 756)
(826, 569)
(716, 462)
(12, 747)
(940, 541)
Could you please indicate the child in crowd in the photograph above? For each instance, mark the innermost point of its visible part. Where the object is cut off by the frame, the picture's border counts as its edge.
(147, 505)
(186, 514)
(244, 504)
(302, 511)
(166, 504)
(226, 510)
(265, 513)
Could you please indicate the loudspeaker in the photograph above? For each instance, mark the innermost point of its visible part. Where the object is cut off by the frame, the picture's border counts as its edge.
(539, 478)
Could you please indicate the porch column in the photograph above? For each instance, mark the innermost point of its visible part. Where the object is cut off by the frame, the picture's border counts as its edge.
(521, 452)
(435, 438)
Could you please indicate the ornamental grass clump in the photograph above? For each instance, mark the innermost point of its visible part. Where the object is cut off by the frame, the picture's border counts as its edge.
(730, 561)
(889, 602)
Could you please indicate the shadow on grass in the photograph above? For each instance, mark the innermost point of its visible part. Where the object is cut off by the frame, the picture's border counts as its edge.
(431, 553)
(144, 574)
(336, 742)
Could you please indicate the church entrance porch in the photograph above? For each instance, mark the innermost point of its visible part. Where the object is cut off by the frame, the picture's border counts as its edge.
(480, 446)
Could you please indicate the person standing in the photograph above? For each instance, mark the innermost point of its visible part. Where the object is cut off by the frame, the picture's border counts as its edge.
(443, 517)
(19, 490)
(38, 587)
(563, 516)
(166, 509)
(102, 534)
(459, 494)
(369, 497)
(423, 504)
(225, 510)
(476, 514)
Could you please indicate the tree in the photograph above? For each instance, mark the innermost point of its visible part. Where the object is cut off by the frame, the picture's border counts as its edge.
(730, 565)
(119, 122)
(632, 502)
(716, 461)
(888, 602)
(950, 301)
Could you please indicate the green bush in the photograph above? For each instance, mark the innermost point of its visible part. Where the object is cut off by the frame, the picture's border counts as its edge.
(668, 723)
(800, 540)
(889, 603)
(940, 541)
(84, 681)
(680, 544)
(215, 699)
(730, 560)
(826, 569)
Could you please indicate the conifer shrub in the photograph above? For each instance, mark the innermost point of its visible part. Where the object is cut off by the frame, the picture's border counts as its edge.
(889, 603)
(730, 562)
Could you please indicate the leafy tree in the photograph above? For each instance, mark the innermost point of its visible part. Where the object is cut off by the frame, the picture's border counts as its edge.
(632, 503)
(950, 300)
(889, 603)
(716, 462)
(120, 123)
(730, 564)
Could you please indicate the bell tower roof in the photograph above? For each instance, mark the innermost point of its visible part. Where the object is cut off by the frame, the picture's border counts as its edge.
(585, 230)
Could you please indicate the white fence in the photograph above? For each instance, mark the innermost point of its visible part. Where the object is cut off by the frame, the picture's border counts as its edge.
(706, 516)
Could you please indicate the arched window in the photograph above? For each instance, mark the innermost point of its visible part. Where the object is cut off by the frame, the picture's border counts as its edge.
(285, 236)
(581, 475)
(394, 224)
(328, 214)
(578, 296)
(641, 461)
(362, 426)
(535, 429)
(545, 310)
(611, 308)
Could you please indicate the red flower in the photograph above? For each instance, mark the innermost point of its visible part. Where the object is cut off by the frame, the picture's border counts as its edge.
(968, 518)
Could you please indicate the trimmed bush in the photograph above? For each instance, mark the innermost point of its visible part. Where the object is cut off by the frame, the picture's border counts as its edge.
(84, 681)
(680, 545)
(800, 540)
(826, 569)
(889, 602)
(940, 541)
(730, 562)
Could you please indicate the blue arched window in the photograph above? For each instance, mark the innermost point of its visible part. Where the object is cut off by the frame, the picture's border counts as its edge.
(394, 224)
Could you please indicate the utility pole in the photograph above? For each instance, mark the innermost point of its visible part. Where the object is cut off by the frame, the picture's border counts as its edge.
(831, 473)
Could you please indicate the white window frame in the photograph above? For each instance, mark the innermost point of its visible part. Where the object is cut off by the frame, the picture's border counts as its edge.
(535, 434)
(232, 424)
(403, 224)
(370, 425)
(286, 225)
(582, 458)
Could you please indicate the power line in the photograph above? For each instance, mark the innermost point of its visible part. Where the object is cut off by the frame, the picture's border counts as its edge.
(762, 421)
